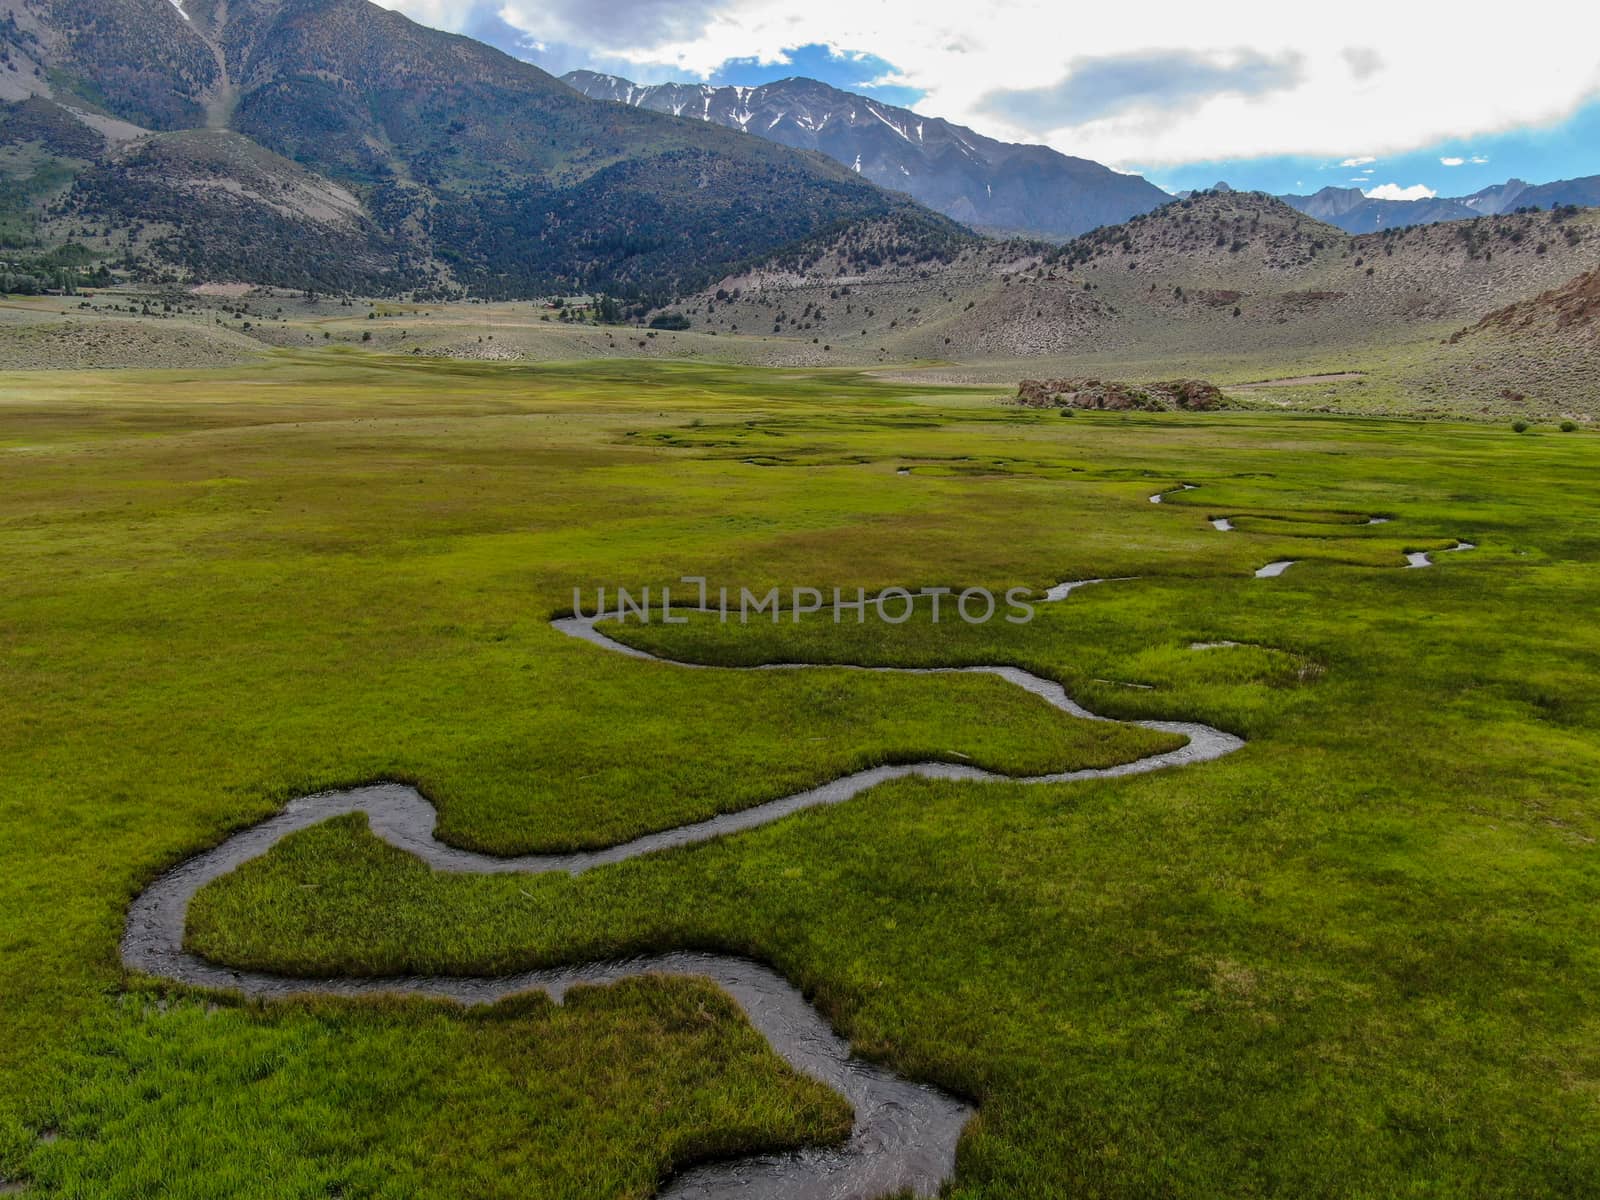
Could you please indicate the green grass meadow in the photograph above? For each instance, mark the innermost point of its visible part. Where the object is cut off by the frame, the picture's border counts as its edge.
(1358, 958)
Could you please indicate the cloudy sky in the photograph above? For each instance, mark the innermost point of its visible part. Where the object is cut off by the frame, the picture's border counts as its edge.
(1400, 99)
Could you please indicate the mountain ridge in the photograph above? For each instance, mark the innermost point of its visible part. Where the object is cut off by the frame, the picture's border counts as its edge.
(1219, 269)
(956, 169)
(998, 187)
(1352, 210)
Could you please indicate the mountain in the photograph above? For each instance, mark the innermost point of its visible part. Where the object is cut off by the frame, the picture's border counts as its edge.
(991, 185)
(1515, 193)
(1353, 212)
(1496, 199)
(1329, 204)
(335, 144)
(1585, 193)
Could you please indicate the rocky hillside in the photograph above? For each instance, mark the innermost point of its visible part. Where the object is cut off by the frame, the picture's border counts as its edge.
(990, 185)
(122, 58)
(1244, 268)
(1539, 356)
(335, 144)
(1261, 247)
(1572, 310)
(219, 206)
(1236, 272)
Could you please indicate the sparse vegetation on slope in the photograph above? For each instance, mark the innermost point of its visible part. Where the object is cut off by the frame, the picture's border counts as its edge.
(1572, 308)
(1537, 356)
(1207, 285)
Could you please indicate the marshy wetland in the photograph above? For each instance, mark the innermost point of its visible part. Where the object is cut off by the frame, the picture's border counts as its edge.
(1353, 956)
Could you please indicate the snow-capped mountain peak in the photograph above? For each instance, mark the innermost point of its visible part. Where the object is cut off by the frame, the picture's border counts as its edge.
(983, 182)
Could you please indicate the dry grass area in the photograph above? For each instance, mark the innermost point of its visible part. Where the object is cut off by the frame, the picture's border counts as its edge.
(43, 340)
(1233, 288)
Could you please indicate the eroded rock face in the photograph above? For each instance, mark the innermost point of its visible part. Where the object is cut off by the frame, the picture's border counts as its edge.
(1193, 395)
(1573, 306)
(1188, 395)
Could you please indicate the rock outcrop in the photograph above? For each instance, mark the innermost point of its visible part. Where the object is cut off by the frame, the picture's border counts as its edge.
(1187, 395)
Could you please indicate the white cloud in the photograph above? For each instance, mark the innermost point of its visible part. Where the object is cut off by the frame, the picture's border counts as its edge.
(890, 79)
(1393, 191)
(1358, 162)
(1451, 162)
(1478, 160)
(962, 54)
(1363, 61)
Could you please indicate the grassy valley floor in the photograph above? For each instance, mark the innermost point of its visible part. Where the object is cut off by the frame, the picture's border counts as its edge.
(1379, 367)
(1355, 958)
